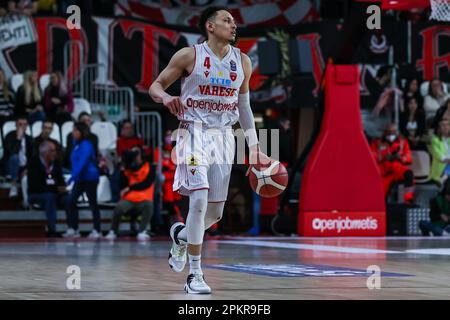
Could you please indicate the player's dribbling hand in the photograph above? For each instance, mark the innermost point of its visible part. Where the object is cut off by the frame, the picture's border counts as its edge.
(257, 157)
(173, 104)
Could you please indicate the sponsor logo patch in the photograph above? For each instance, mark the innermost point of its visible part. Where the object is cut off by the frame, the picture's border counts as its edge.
(192, 161)
(218, 91)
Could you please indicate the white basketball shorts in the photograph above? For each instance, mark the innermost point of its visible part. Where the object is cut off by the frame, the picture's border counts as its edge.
(204, 159)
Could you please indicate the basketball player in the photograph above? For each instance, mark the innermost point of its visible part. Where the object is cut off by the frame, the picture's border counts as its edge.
(214, 95)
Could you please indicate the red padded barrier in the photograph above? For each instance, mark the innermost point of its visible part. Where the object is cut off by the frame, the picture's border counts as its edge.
(341, 177)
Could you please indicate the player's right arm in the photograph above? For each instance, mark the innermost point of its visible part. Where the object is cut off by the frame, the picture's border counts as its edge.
(181, 62)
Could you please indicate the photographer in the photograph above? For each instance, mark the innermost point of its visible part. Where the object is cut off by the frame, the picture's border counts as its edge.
(393, 156)
(137, 188)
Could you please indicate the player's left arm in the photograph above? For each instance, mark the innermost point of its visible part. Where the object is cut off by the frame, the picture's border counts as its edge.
(246, 119)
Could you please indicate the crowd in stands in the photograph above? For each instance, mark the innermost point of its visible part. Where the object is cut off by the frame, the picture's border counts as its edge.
(57, 174)
(423, 128)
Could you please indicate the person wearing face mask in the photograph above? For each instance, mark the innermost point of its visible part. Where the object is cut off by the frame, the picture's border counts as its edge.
(137, 192)
(440, 152)
(393, 156)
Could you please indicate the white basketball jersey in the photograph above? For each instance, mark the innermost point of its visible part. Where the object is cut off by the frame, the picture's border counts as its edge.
(210, 93)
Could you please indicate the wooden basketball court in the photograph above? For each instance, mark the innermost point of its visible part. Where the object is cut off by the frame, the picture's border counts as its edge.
(235, 268)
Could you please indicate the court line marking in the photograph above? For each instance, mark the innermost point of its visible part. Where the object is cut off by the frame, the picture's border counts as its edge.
(296, 246)
(435, 251)
(341, 238)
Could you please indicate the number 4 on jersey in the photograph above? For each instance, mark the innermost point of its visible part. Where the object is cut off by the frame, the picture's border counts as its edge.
(207, 63)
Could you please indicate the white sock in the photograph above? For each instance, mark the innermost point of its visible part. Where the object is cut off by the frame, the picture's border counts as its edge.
(195, 264)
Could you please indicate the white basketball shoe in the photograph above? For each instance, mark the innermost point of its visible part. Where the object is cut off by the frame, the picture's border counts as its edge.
(196, 284)
(177, 254)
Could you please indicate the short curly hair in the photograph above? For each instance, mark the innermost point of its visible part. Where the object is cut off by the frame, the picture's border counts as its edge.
(206, 15)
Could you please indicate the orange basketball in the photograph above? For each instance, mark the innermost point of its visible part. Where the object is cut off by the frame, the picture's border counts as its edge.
(269, 180)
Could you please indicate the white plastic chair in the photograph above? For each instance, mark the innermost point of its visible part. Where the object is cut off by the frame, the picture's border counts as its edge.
(106, 133)
(9, 126)
(80, 105)
(16, 81)
(66, 128)
(420, 166)
(1, 148)
(103, 190)
(24, 187)
(44, 81)
(424, 87)
(36, 130)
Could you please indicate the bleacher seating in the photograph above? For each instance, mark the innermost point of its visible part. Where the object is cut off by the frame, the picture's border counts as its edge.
(107, 135)
(36, 130)
(9, 126)
(424, 87)
(16, 81)
(421, 166)
(66, 128)
(44, 81)
(80, 105)
(103, 190)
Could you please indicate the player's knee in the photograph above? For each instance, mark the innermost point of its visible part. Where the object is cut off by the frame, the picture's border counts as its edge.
(198, 205)
(217, 211)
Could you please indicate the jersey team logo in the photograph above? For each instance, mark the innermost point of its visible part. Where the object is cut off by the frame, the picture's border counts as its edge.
(233, 76)
(192, 160)
(206, 74)
(233, 66)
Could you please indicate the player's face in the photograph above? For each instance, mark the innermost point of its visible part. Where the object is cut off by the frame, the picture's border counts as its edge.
(224, 26)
